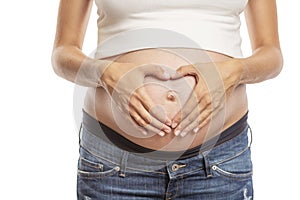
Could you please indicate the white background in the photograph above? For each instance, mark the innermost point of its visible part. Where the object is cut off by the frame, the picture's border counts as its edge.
(39, 144)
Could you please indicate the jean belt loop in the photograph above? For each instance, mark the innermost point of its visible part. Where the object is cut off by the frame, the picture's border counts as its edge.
(124, 164)
(207, 167)
(80, 133)
(251, 136)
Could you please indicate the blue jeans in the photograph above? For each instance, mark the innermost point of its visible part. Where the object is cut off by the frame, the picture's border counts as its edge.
(108, 172)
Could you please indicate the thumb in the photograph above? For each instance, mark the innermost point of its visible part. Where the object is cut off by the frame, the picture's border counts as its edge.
(180, 72)
(156, 71)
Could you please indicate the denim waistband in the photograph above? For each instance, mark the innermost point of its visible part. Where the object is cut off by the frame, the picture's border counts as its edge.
(143, 162)
(111, 136)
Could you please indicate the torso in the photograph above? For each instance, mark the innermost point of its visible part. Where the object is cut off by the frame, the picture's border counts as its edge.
(98, 102)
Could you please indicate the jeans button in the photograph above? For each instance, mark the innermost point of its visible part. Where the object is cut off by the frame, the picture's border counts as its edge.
(175, 167)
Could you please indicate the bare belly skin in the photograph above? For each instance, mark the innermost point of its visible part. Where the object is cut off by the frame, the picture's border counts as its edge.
(170, 96)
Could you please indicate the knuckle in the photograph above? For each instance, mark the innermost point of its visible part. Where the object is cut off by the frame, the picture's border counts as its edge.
(139, 121)
(204, 114)
(195, 97)
(205, 122)
(132, 101)
(205, 93)
(176, 120)
(206, 100)
(184, 113)
(198, 99)
(135, 95)
(198, 120)
(197, 110)
(209, 110)
(130, 110)
(146, 106)
(148, 120)
(133, 105)
(190, 119)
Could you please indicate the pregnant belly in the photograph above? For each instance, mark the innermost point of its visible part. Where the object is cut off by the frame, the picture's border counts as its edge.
(169, 96)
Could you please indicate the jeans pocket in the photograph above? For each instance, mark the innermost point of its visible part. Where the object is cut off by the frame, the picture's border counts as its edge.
(239, 167)
(90, 166)
(230, 174)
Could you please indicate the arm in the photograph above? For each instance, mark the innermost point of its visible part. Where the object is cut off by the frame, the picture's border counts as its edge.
(266, 61)
(68, 60)
(70, 63)
(216, 81)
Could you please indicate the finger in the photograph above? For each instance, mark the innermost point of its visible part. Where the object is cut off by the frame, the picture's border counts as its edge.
(155, 130)
(134, 128)
(141, 122)
(135, 124)
(204, 123)
(193, 117)
(189, 106)
(187, 121)
(200, 97)
(150, 106)
(203, 106)
(140, 109)
(195, 125)
(213, 112)
(147, 119)
(184, 70)
(156, 70)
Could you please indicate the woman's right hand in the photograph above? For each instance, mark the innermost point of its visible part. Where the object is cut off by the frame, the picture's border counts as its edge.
(124, 82)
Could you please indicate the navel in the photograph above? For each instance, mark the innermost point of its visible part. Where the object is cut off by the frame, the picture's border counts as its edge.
(171, 95)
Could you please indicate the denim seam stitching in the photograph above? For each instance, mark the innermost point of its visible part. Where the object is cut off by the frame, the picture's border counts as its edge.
(89, 132)
(232, 157)
(215, 163)
(118, 164)
(198, 169)
(89, 163)
(230, 175)
(146, 170)
(224, 143)
(100, 157)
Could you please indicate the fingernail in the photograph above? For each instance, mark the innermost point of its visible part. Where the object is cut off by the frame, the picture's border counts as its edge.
(168, 122)
(183, 134)
(161, 133)
(174, 124)
(196, 129)
(168, 130)
(177, 132)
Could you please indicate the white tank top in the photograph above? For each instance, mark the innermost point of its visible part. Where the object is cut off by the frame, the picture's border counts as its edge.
(127, 25)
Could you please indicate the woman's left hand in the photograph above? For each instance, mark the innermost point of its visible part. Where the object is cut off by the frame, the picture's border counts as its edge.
(214, 83)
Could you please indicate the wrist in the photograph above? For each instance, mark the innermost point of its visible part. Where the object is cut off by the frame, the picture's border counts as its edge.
(238, 70)
(103, 72)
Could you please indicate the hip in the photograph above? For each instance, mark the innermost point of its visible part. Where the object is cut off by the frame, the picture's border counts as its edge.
(106, 171)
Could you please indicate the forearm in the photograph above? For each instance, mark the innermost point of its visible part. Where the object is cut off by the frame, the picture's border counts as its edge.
(71, 64)
(265, 63)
